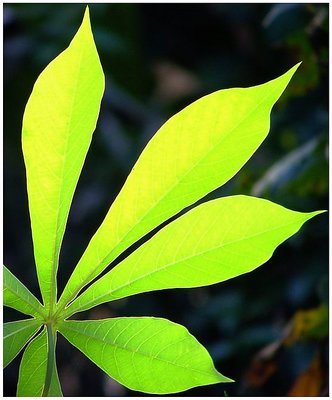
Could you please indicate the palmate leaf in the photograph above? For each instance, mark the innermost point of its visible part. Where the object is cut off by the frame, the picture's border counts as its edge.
(33, 368)
(152, 355)
(15, 336)
(17, 296)
(58, 123)
(196, 151)
(215, 241)
(193, 153)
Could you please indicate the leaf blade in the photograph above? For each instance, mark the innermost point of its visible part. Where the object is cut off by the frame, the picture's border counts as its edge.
(33, 368)
(127, 349)
(17, 296)
(58, 123)
(15, 336)
(178, 167)
(213, 242)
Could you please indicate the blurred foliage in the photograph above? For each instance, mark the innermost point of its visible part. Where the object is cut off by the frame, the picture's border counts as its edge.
(157, 59)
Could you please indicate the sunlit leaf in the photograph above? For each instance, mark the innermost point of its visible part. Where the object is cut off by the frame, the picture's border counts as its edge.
(215, 241)
(152, 355)
(17, 296)
(33, 368)
(15, 336)
(193, 153)
(58, 123)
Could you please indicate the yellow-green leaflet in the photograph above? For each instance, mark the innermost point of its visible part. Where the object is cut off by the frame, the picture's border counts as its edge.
(213, 242)
(152, 355)
(17, 296)
(58, 123)
(33, 370)
(193, 153)
(15, 336)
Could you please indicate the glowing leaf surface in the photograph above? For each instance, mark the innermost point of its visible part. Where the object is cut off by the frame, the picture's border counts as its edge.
(152, 355)
(193, 153)
(215, 241)
(58, 123)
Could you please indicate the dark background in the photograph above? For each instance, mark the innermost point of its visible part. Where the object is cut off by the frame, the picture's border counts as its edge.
(267, 329)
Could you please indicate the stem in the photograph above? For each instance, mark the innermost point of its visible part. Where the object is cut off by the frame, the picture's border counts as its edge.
(50, 359)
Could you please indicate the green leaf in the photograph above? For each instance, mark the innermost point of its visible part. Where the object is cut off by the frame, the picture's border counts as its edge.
(33, 368)
(152, 355)
(193, 153)
(215, 241)
(17, 296)
(15, 336)
(58, 123)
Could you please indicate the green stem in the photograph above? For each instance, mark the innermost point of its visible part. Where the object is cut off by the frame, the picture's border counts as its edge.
(50, 359)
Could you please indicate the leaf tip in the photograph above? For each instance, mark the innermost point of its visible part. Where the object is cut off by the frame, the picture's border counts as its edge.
(86, 17)
(289, 73)
(314, 213)
(309, 215)
(227, 380)
(292, 70)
